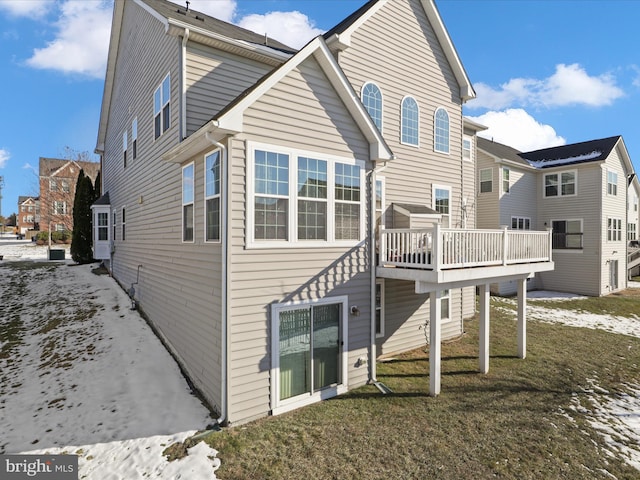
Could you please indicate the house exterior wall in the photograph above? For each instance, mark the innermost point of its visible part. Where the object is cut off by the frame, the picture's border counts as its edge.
(378, 53)
(633, 208)
(28, 216)
(301, 113)
(487, 203)
(214, 78)
(178, 283)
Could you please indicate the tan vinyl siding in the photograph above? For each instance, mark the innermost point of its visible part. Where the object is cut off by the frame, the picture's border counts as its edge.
(213, 79)
(488, 203)
(518, 202)
(301, 112)
(179, 284)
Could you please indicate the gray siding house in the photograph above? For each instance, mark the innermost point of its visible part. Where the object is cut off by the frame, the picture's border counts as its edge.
(287, 217)
(583, 191)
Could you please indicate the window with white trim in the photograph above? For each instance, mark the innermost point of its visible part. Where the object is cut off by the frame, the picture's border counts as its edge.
(162, 107)
(467, 148)
(65, 186)
(212, 196)
(631, 231)
(103, 225)
(188, 175)
(53, 185)
(486, 180)
(612, 183)
(567, 234)
(520, 223)
(372, 101)
(506, 184)
(59, 207)
(380, 307)
(614, 229)
(124, 149)
(115, 218)
(134, 138)
(123, 225)
(560, 184)
(442, 202)
(441, 131)
(445, 305)
(410, 122)
(302, 198)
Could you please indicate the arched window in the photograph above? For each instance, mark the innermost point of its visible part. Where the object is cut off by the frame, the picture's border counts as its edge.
(372, 101)
(441, 133)
(410, 121)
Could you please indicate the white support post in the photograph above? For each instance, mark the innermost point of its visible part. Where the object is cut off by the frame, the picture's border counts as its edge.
(484, 329)
(505, 245)
(435, 346)
(436, 246)
(522, 318)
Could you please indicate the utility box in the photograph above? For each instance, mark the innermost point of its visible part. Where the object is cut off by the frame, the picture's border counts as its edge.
(57, 254)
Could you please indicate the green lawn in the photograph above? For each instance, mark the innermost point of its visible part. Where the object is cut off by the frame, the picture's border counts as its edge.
(515, 422)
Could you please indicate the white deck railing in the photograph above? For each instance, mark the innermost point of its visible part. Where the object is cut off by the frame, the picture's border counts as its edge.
(445, 248)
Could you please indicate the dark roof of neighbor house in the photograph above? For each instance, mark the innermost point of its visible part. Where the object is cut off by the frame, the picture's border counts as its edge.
(500, 150)
(350, 20)
(24, 198)
(197, 19)
(103, 200)
(49, 166)
(573, 154)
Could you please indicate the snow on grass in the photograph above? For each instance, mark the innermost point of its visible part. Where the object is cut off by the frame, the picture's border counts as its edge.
(616, 416)
(83, 374)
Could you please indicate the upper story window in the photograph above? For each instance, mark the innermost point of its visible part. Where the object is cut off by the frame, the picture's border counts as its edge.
(187, 202)
(59, 208)
(612, 183)
(410, 129)
(53, 185)
(124, 224)
(212, 196)
(486, 180)
(441, 131)
(560, 184)
(124, 149)
(134, 138)
(467, 148)
(298, 197)
(115, 218)
(614, 229)
(65, 186)
(103, 225)
(162, 107)
(506, 185)
(442, 202)
(635, 204)
(372, 101)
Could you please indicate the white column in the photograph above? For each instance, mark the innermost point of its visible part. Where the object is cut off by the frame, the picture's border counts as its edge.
(484, 328)
(435, 347)
(522, 318)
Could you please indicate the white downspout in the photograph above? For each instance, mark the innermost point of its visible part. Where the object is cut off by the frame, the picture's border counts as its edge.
(373, 265)
(224, 396)
(183, 80)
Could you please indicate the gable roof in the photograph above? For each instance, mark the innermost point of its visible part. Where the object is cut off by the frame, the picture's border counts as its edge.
(500, 151)
(230, 119)
(51, 167)
(340, 37)
(573, 154)
(22, 199)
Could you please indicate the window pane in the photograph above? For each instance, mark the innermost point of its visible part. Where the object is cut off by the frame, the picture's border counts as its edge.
(326, 345)
(312, 220)
(272, 173)
(166, 89)
(270, 218)
(551, 185)
(213, 218)
(409, 121)
(187, 232)
(372, 100)
(157, 101)
(442, 131)
(312, 178)
(568, 183)
(166, 118)
(187, 184)
(347, 221)
(212, 174)
(347, 182)
(442, 201)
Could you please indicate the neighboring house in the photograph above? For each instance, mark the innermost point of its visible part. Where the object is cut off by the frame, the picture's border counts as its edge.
(28, 217)
(58, 178)
(285, 218)
(633, 227)
(578, 190)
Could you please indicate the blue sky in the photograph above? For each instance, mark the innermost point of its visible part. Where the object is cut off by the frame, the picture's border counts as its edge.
(547, 72)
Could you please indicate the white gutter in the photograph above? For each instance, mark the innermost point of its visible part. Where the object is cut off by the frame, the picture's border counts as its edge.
(224, 396)
(373, 265)
(183, 79)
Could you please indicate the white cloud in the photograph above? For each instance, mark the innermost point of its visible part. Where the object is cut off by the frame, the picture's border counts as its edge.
(569, 85)
(81, 42)
(4, 157)
(26, 8)
(291, 28)
(517, 129)
(28, 166)
(223, 10)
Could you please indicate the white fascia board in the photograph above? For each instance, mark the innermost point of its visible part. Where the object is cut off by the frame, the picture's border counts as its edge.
(161, 18)
(342, 41)
(196, 142)
(625, 155)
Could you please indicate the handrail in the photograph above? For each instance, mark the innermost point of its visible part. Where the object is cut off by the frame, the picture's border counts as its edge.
(447, 248)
